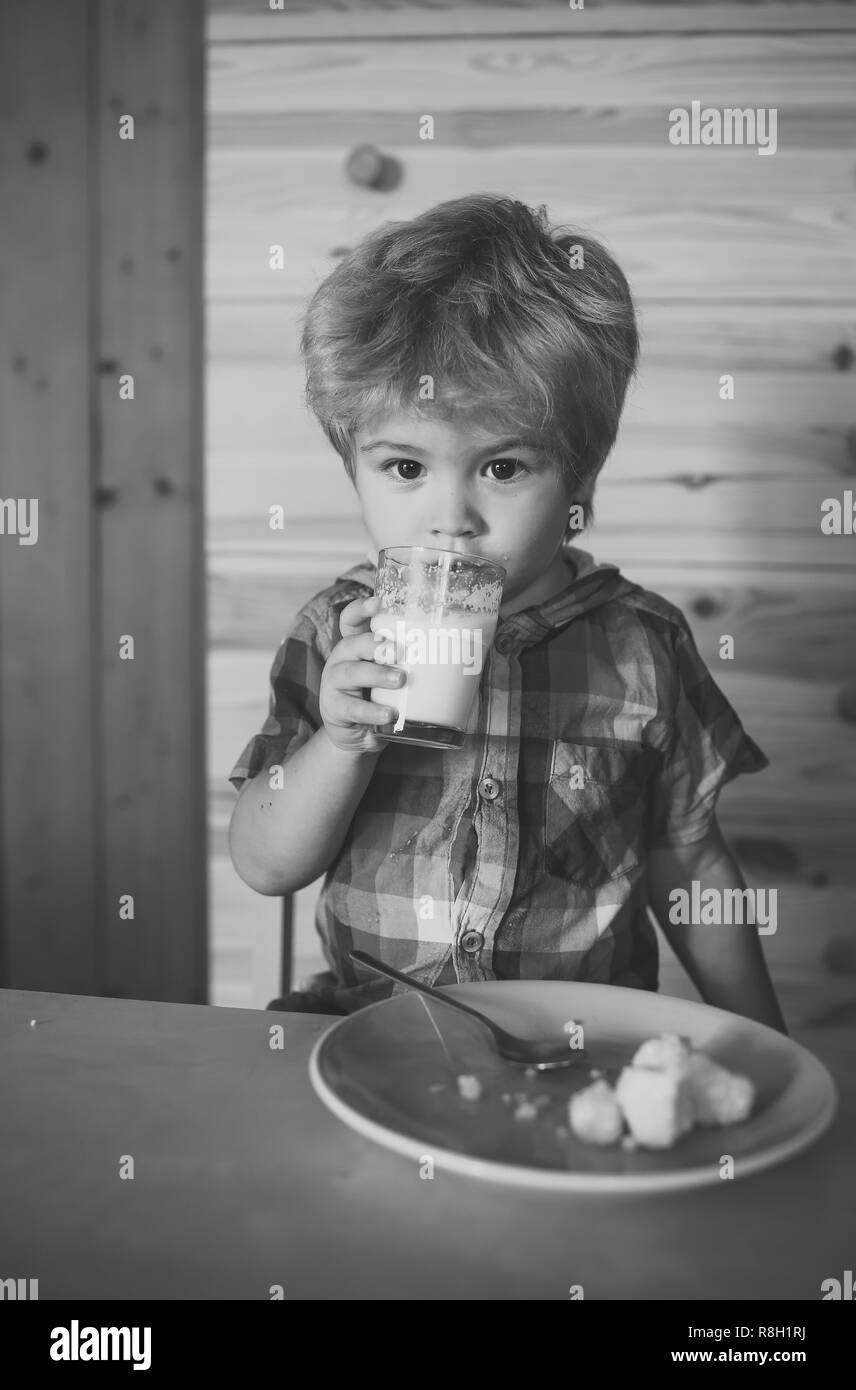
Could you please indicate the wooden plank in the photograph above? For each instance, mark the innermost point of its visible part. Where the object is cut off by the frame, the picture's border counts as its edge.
(781, 628)
(824, 128)
(279, 181)
(797, 339)
(790, 505)
(244, 20)
(688, 546)
(48, 740)
(784, 70)
(707, 253)
(151, 576)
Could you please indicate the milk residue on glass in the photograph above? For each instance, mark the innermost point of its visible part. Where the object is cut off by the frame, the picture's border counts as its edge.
(455, 586)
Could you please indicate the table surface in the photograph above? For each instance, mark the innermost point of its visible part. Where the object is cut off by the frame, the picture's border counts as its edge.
(243, 1180)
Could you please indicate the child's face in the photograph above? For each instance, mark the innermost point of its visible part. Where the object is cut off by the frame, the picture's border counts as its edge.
(457, 487)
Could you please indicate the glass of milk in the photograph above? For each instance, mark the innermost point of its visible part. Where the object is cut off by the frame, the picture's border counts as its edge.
(439, 611)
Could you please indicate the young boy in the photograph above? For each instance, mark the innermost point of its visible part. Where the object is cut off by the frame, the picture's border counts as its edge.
(470, 368)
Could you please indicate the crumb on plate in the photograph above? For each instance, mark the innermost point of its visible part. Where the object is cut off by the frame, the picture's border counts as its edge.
(594, 1114)
(526, 1111)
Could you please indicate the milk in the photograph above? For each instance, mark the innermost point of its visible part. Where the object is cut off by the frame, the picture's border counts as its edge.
(443, 658)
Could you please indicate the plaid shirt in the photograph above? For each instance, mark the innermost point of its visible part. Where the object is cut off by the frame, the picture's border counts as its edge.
(598, 733)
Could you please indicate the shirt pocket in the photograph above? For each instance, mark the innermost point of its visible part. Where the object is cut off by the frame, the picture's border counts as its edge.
(594, 812)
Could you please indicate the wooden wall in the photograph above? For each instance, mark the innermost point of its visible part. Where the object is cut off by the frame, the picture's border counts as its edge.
(741, 264)
(102, 759)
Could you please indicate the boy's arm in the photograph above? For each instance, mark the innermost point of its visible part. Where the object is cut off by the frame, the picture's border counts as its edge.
(724, 961)
(281, 840)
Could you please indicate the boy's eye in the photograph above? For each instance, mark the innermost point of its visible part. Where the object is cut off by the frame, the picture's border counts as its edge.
(506, 463)
(401, 463)
(501, 464)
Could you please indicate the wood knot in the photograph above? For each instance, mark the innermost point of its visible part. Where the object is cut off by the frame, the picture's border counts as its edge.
(839, 955)
(706, 606)
(696, 481)
(845, 705)
(369, 167)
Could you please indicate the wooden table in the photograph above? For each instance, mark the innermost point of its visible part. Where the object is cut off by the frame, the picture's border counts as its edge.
(243, 1180)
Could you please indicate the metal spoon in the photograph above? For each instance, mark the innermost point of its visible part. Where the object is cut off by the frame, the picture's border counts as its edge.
(544, 1056)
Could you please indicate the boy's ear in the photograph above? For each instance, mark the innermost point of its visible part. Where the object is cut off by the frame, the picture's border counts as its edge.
(582, 497)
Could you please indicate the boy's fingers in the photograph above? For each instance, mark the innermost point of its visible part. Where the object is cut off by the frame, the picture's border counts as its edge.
(359, 646)
(363, 675)
(355, 616)
(357, 711)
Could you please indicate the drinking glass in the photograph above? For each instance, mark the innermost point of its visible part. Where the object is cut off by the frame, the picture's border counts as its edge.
(438, 615)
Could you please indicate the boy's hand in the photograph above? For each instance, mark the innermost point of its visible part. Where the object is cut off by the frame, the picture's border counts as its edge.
(351, 668)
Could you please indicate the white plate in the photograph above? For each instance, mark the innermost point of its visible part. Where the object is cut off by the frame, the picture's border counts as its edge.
(374, 1068)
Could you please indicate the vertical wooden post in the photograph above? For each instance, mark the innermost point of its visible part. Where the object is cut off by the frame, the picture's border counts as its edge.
(103, 773)
(149, 326)
(48, 739)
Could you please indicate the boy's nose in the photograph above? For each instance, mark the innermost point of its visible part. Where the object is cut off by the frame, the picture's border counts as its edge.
(455, 522)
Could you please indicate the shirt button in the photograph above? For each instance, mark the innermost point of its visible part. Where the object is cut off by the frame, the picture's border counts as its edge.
(472, 942)
(489, 789)
(503, 644)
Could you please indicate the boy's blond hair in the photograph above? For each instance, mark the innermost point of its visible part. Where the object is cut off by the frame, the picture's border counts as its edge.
(519, 327)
